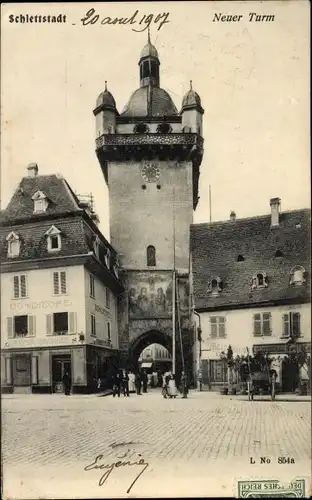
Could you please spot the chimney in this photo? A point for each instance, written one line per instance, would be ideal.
(32, 170)
(275, 204)
(233, 215)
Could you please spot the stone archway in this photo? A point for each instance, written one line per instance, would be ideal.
(144, 340)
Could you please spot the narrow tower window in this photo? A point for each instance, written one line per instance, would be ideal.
(151, 255)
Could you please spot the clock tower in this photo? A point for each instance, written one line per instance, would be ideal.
(150, 156)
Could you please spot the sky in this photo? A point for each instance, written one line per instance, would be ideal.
(252, 77)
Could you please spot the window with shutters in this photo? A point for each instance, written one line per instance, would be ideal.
(108, 330)
(13, 245)
(217, 327)
(54, 241)
(291, 324)
(59, 283)
(93, 326)
(22, 325)
(19, 286)
(60, 323)
(92, 286)
(262, 324)
(107, 298)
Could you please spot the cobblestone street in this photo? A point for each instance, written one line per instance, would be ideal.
(197, 446)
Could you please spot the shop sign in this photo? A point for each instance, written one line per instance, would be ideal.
(40, 342)
(44, 304)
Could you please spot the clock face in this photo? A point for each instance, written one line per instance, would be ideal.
(150, 172)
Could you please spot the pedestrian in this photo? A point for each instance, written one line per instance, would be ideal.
(200, 380)
(131, 382)
(99, 383)
(66, 383)
(165, 383)
(116, 384)
(172, 388)
(184, 385)
(138, 382)
(144, 380)
(125, 383)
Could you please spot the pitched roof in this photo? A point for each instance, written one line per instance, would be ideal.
(216, 246)
(21, 206)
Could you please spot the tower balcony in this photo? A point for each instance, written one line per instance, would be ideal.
(138, 147)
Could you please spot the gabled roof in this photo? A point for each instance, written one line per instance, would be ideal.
(56, 189)
(216, 246)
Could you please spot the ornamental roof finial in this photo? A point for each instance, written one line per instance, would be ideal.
(105, 85)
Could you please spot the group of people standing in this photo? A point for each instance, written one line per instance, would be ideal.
(125, 382)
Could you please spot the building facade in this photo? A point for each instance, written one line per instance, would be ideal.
(150, 156)
(252, 283)
(59, 288)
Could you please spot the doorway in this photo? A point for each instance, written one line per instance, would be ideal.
(22, 370)
(61, 364)
(290, 375)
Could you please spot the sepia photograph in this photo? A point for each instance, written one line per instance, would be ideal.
(155, 241)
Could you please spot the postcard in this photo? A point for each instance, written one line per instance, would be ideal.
(154, 237)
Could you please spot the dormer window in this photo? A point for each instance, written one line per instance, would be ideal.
(40, 202)
(259, 280)
(54, 241)
(13, 245)
(297, 276)
(279, 253)
(215, 286)
(240, 258)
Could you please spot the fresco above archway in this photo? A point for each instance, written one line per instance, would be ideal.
(150, 295)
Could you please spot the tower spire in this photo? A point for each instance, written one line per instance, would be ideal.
(105, 85)
(191, 85)
(149, 64)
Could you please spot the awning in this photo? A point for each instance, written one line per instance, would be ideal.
(146, 365)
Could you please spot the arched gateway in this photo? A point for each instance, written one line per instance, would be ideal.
(144, 340)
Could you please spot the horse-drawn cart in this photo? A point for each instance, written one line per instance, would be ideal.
(261, 381)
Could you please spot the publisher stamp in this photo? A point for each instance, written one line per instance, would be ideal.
(271, 488)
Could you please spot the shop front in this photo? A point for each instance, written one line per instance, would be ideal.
(286, 362)
(42, 370)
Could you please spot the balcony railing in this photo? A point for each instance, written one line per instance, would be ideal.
(182, 139)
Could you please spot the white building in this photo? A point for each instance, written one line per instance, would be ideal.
(59, 282)
(252, 289)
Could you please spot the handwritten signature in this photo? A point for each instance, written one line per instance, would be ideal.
(96, 464)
